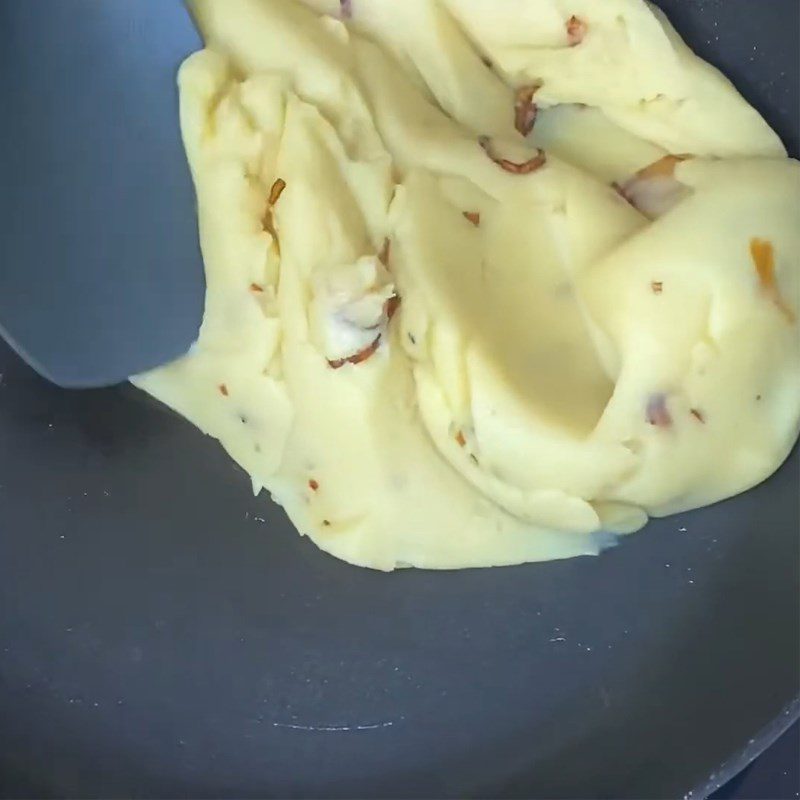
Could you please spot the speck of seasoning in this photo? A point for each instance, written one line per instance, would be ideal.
(223, 390)
(473, 458)
(460, 439)
(276, 191)
(313, 485)
(326, 522)
(657, 287)
(758, 397)
(473, 216)
(411, 338)
(257, 448)
(656, 412)
(254, 287)
(698, 415)
(487, 62)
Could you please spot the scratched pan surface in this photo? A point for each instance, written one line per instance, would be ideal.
(162, 633)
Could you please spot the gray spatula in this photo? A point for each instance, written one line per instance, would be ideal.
(100, 272)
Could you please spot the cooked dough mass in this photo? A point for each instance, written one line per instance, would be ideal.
(487, 281)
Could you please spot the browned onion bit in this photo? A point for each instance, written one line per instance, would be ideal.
(657, 412)
(473, 216)
(391, 305)
(223, 390)
(576, 30)
(514, 167)
(313, 485)
(525, 109)
(663, 168)
(356, 358)
(461, 439)
(254, 287)
(657, 287)
(276, 191)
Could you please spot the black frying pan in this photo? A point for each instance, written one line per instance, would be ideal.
(162, 633)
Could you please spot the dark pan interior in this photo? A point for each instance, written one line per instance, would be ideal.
(163, 633)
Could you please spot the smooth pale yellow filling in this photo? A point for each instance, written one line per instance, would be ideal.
(430, 360)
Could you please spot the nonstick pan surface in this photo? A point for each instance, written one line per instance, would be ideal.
(163, 633)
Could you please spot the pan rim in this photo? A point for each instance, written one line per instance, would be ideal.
(743, 758)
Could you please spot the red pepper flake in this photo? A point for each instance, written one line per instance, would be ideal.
(698, 415)
(356, 358)
(657, 412)
(223, 390)
(525, 109)
(576, 30)
(461, 439)
(276, 191)
(391, 305)
(515, 168)
(763, 254)
(254, 287)
(657, 287)
(346, 9)
(473, 216)
(385, 252)
(313, 485)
